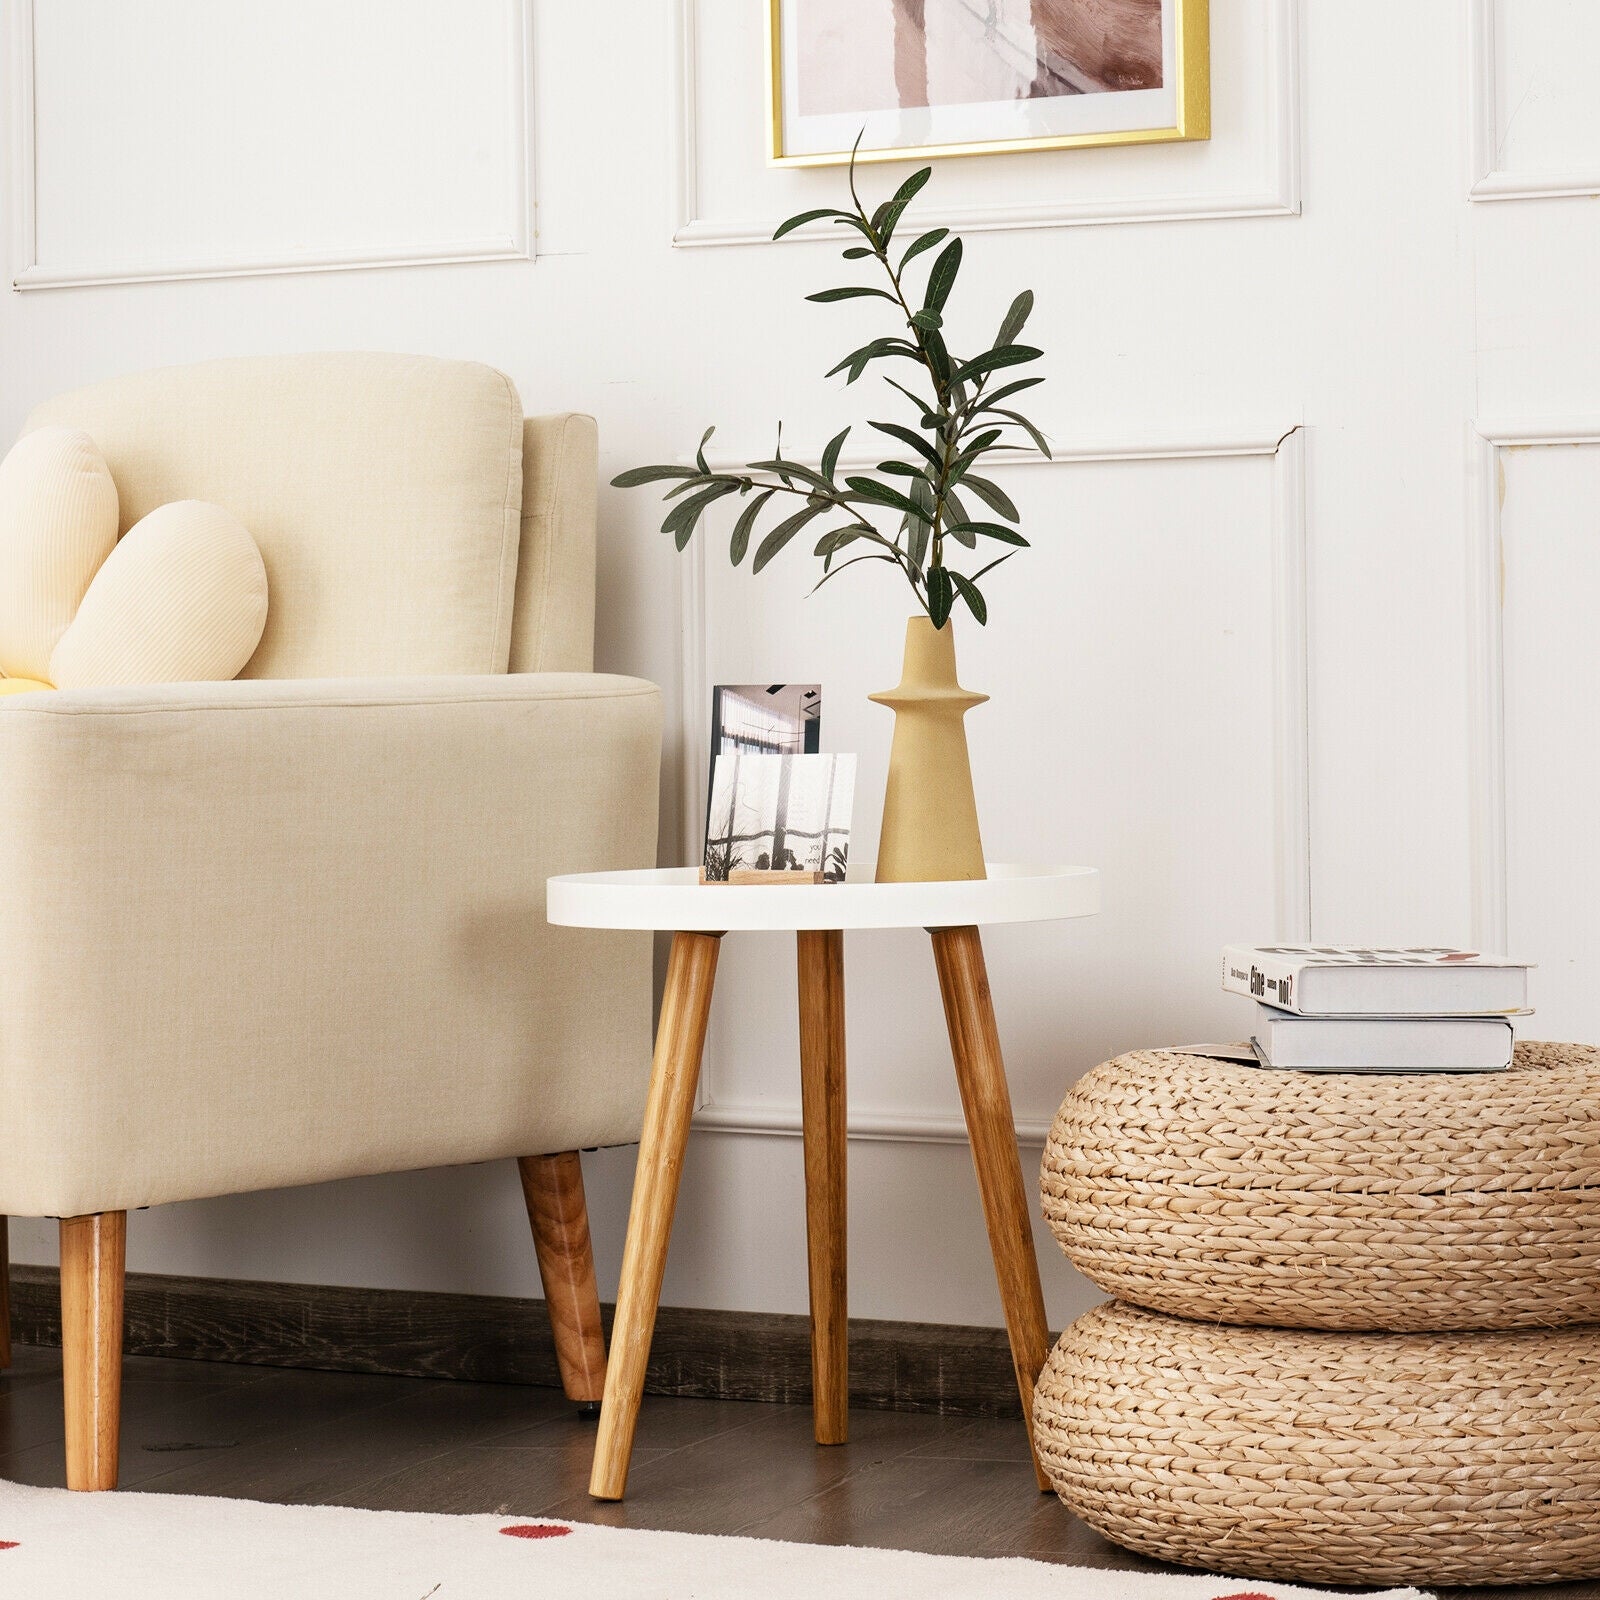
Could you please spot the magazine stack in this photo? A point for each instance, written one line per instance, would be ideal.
(1341, 1008)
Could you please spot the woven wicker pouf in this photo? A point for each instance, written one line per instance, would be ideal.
(1225, 1192)
(1330, 1457)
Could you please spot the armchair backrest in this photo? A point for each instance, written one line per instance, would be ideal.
(410, 521)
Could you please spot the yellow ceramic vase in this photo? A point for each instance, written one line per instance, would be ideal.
(930, 817)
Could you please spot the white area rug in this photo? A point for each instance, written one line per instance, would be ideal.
(60, 1546)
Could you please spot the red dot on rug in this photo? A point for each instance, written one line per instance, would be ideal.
(550, 1530)
(8, 1544)
(1248, 1594)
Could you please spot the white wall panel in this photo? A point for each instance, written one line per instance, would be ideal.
(185, 138)
(1250, 165)
(1539, 762)
(1535, 113)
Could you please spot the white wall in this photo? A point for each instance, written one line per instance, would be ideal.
(1306, 379)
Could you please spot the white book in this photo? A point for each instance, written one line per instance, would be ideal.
(1382, 1044)
(1354, 981)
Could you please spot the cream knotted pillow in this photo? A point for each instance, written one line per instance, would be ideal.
(182, 597)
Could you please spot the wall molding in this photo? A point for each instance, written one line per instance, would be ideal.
(1488, 180)
(1487, 443)
(517, 244)
(1278, 195)
(712, 1355)
(1285, 448)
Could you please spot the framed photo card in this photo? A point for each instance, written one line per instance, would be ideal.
(916, 78)
(787, 814)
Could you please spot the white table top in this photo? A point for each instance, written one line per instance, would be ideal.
(674, 898)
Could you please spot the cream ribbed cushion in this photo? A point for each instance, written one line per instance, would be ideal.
(182, 598)
(58, 523)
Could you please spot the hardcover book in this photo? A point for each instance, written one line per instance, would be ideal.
(1349, 980)
(1382, 1044)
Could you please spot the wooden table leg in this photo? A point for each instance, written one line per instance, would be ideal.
(821, 972)
(986, 1100)
(680, 1039)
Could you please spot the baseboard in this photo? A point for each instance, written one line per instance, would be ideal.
(719, 1355)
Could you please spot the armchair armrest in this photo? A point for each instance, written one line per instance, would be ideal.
(262, 933)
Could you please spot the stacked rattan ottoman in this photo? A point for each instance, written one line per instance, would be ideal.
(1356, 1333)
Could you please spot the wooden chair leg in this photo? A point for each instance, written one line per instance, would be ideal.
(93, 1251)
(553, 1189)
(5, 1293)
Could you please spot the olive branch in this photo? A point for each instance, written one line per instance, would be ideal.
(960, 421)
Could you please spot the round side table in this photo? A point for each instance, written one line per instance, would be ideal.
(698, 916)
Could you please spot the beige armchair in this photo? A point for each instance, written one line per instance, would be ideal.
(291, 928)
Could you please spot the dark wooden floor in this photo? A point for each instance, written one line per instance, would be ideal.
(942, 1484)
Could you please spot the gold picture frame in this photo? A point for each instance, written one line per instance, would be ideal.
(1190, 55)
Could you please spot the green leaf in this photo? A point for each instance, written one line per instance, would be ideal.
(785, 531)
(635, 476)
(900, 469)
(832, 542)
(962, 533)
(969, 593)
(929, 320)
(1008, 390)
(992, 530)
(700, 454)
(926, 242)
(992, 496)
(804, 217)
(942, 279)
(701, 480)
(830, 456)
(793, 469)
(999, 561)
(939, 596)
(680, 521)
(971, 453)
(882, 494)
(888, 216)
(858, 359)
(920, 528)
(1009, 355)
(907, 436)
(866, 555)
(1015, 318)
(1022, 422)
(747, 520)
(933, 343)
(933, 416)
(857, 291)
(857, 252)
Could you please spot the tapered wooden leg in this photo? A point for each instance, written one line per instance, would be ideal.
(680, 1039)
(821, 964)
(92, 1255)
(5, 1293)
(553, 1189)
(986, 1100)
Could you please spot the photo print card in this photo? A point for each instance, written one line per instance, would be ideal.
(780, 814)
(763, 719)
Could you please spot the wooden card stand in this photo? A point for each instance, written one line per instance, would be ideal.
(755, 878)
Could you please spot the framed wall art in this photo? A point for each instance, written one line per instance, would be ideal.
(917, 78)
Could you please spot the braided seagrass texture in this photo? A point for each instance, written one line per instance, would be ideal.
(1427, 1202)
(1350, 1458)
